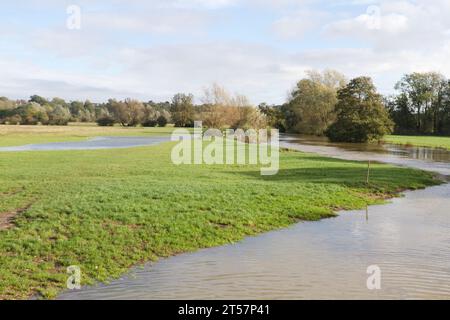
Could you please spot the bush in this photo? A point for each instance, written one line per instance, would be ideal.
(106, 121)
(162, 121)
(149, 123)
(13, 120)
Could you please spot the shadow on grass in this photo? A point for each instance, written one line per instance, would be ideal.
(385, 177)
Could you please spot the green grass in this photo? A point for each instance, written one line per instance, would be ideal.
(420, 141)
(108, 210)
(21, 135)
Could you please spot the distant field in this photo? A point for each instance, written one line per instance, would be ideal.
(420, 141)
(107, 210)
(20, 135)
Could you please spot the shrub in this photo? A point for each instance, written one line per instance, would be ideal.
(106, 121)
(149, 123)
(13, 120)
(162, 121)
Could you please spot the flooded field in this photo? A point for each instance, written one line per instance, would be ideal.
(91, 144)
(408, 239)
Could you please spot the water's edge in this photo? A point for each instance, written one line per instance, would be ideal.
(126, 282)
(152, 279)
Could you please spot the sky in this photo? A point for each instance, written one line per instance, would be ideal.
(153, 49)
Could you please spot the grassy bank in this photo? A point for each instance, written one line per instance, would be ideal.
(20, 135)
(420, 141)
(107, 210)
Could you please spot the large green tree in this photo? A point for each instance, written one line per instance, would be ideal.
(425, 92)
(360, 113)
(401, 113)
(312, 102)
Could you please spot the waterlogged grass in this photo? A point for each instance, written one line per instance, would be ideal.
(108, 210)
(420, 141)
(21, 135)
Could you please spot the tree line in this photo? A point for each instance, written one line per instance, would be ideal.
(326, 103)
(218, 109)
(423, 105)
(323, 103)
(39, 110)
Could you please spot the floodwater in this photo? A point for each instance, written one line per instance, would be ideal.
(408, 240)
(91, 144)
(429, 159)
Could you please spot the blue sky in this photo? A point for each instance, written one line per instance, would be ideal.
(259, 48)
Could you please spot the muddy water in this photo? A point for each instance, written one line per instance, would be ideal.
(408, 239)
(430, 159)
(91, 144)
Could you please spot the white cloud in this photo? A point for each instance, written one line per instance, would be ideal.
(397, 25)
(296, 25)
(160, 23)
(160, 72)
(153, 49)
(365, 24)
(211, 4)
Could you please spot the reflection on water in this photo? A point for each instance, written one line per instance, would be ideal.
(408, 239)
(421, 153)
(430, 159)
(91, 144)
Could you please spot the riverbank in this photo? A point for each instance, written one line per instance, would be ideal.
(420, 141)
(107, 210)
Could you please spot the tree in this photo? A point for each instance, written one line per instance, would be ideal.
(38, 99)
(6, 104)
(444, 123)
(275, 116)
(312, 105)
(182, 110)
(58, 115)
(330, 78)
(310, 109)
(439, 91)
(58, 102)
(242, 115)
(425, 92)
(127, 113)
(216, 101)
(77, 110)
(360, 112)
(402, 114)
(135, 112)
(312, 102)
(150, 116)
(222, 109)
